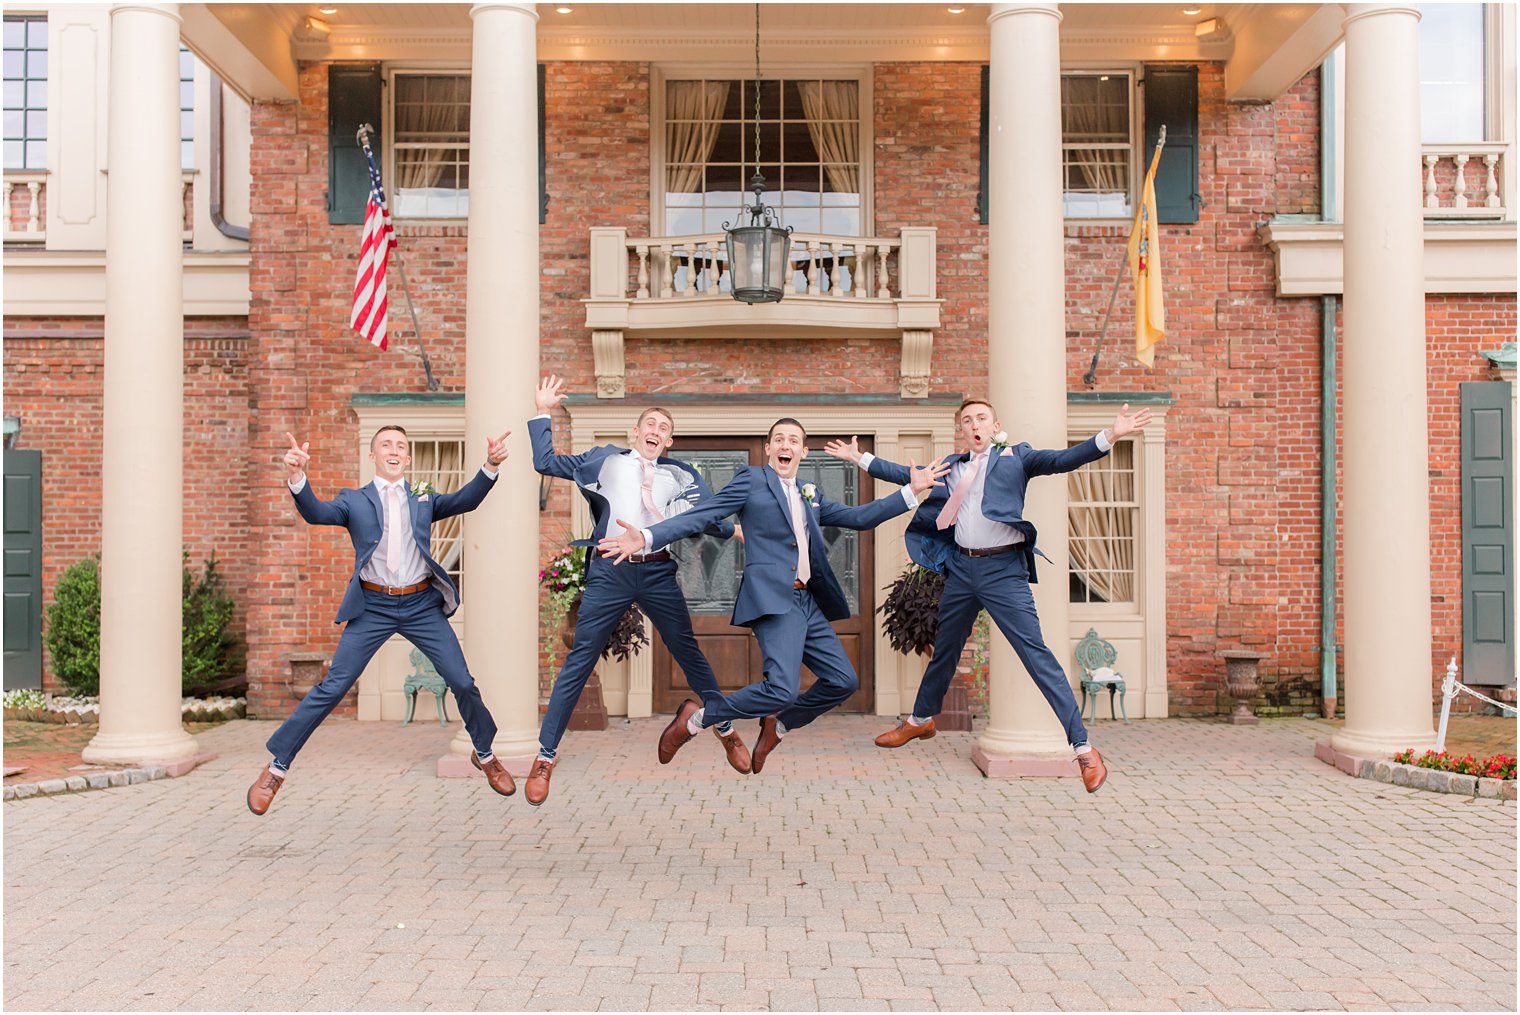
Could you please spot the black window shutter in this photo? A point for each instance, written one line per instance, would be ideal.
(1171, 98)
(353, 98)
(981, 195)
(543, 175)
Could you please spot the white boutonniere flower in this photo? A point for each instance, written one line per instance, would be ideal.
(810, 493)
(1000, 440)
(421, 490)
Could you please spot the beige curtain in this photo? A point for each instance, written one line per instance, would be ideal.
(1102, 544)
(1084, 114)
(441, 463)
(423, 167)
(838, 142)
(692, 112)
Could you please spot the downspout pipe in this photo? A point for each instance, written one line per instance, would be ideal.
(1329, 650)
(217, 155)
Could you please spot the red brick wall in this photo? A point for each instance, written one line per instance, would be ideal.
(53, 381)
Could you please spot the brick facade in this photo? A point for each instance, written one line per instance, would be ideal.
(1241, 365)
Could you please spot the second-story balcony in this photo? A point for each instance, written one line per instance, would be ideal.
(839, 287)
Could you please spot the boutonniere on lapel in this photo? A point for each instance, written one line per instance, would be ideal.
(421, 490)
(810, 494)
(1001, 444)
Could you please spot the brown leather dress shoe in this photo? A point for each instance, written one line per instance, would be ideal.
(904, 732)
(765, 743)
(1093, 769)
(261, 793)
(496, 774)
(733, 746)
(676, 734)
(536, 789)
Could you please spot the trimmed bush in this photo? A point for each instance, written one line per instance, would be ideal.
(73, 634)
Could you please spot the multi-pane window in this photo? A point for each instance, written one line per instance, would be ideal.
(430, 145)
(809, 153)
(26, 92)
(1096, 144)
(440, 461)
(1452, 83)
(1103, 513)
(186, 109)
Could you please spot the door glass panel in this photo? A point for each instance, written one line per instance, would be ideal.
(710, 567)
(838, 481)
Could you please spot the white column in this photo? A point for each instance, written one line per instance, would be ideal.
(1026, 353)
(143, 432)
(501, 362)
(1387, 505)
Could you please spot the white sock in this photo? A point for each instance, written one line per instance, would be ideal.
(694, 724)
(484, 757)
(276, 771)
(1084, 749)
(914, 720)
(546, 757)
(780, 729)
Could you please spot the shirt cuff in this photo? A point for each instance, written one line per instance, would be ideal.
(297, 487)
(490, 475)
(866, 458)
(1103, 442)
(648, 540)
(910, 496)
(542, 415)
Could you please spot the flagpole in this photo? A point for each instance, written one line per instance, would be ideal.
(363, 135)
(1091, 377)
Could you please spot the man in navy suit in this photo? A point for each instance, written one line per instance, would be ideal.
(973, 531)
(788, 593)
(396, 587)
(639, 483)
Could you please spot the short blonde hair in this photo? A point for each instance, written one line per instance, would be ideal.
(662, 411)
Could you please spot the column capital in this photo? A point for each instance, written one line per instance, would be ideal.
(1007, 10)
(527, 10)
(1355, 12)
(170, 11)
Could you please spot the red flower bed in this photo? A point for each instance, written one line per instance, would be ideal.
(1500, 766)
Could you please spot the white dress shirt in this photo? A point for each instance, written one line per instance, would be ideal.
(974, 530)
(621, 481)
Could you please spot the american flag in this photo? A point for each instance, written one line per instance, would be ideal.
(375, 244)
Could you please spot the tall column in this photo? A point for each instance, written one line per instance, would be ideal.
(1026, 353)
(1387, 505)
(141, 460)
(501, 362)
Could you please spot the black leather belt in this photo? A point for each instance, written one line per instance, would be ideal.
(649, 558)
(989, 551)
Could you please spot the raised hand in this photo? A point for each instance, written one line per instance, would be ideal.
(496, 450)
(846, 451)
(549, 393)
(296, 458)
(623, 546)
(1126, 424)
(921, 479)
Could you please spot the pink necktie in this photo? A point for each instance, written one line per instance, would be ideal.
(799, 528)
(946, 517)
(647, 490)
(393, 525)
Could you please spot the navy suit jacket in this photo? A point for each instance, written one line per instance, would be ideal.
(361, 513)
(585, 470)
(770, 545)
(1008, 474)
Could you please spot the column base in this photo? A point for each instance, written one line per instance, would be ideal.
(163, 748)
(1381, 744)
(1004, 766)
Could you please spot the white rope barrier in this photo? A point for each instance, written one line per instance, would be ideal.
(1450, 688)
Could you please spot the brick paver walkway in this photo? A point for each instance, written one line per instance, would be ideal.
(1219, 868)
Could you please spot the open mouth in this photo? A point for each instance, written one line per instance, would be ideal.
(783, 458)
(652, 443)
(394, 463)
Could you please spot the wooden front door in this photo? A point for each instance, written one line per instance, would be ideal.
(710, 570)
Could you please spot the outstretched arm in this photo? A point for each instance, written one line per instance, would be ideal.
(720, 505)
(550, 392)
(879, 468)
(314, 511)
(1044, 463)
(868, 516)
(469, 496)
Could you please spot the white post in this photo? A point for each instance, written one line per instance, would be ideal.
(1448, 692)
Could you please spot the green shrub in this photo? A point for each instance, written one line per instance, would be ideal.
(73, 633)
(211, 651)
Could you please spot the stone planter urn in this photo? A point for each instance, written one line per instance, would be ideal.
(590, 712)
(306, 671)
(1243, 682)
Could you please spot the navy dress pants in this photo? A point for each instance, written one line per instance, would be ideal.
(418, 618)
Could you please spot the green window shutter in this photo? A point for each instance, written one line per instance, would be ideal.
(543, 175)
(353, 98)
(981, 195)
(1171, 98)
(1488, 535)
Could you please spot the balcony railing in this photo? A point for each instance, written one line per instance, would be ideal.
(1462, 181)
(26, 193)
(838, 287)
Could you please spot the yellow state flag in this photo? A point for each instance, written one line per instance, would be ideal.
(1145, 266)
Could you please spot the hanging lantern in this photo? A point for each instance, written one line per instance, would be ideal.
(759, 254)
